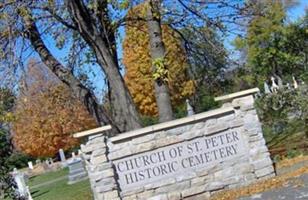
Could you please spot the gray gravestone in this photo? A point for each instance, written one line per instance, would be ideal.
(77, 171)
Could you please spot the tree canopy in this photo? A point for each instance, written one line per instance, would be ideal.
(273, 46)
(47, 114)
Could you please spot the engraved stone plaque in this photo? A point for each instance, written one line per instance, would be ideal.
(170, 161)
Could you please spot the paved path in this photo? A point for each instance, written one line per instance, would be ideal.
(295, 189)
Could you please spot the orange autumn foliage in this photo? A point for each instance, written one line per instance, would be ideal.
(137, 60)
(47, 115)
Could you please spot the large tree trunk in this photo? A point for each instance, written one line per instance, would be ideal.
(66, 76)
(99, 34)
(157, 50)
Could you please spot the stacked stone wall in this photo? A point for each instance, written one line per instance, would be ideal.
(187, 158)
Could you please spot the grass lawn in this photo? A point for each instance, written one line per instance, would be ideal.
(51, 186)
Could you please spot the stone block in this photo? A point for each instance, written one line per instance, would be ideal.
(257, 144)
(243, 168)
(211, 122)
(159, 134)
(119, 154)
(143, 139)
(199, 125)
(143, 147)
(159, 197)
(146, 194)
(185, 176)
(174, 196)
(132, 191)
(225, 173)
(94, 139)
(233, 179)
(264, 171)
(255, 151)
(111, 195)
(259, 164)
(192, 191)
(249, 100)
(255, 138)
(112, 146)
(177, 130)
(226, 119)
(102, 174)
(106, 181)
(99, 197)
(104, 166)
(237, 122)
(167, 141)
(215, 185)
(215, 168)
(217, 128)
(131, 197)
(98, 159)
(160, 183)
(104, 188)
(248, 178)
(191, 134)
(173, 187)
(99, 152)
(91, 147)
(201, 172)
(197, 181)
(203, 196)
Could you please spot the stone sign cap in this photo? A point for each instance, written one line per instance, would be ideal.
(171, 124)
(92, 131)
(237, 94)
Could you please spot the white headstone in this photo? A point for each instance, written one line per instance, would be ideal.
(274, 86)
(295, 85)
(21, 183)
(190, 110)
(266, 88)
(62, 155)
(30, 165)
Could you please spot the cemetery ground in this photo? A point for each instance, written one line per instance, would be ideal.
(53, 185)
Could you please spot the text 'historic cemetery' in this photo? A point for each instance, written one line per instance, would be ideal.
(200, 153)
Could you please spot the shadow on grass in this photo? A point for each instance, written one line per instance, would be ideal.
(37, 193)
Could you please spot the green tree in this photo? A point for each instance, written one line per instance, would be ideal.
(6, 104)
(273, 47)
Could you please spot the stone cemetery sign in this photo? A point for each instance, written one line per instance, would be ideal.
(170, 161)
(188, 157)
